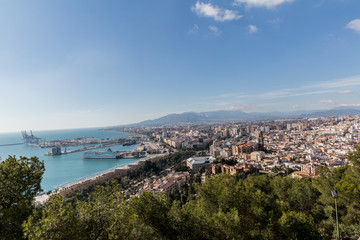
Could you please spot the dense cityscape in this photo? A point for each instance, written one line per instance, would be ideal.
(286, 147)
(180, 120)
(286, 169)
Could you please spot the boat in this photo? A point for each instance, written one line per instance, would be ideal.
(109, 154)
(129, 143)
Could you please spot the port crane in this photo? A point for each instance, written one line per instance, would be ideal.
(30, 138)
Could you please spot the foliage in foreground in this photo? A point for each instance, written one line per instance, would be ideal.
(19, 183)
(225, 207)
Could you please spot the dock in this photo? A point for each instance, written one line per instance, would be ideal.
(85, 141)
(10, 144)
(82, 149)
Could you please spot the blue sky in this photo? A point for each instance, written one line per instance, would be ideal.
(70, 64)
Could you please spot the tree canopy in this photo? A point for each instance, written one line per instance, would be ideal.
(19, 183)
(222, 207)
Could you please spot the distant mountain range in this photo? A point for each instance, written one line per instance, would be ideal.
(222, 116)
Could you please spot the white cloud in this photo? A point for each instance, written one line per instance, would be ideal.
(194, 29)
(294, 96)
(215, 12)
(224, 95)
(261, 3)
(348, 91)
(350, 105)
(314, 96)
(354, 25)
(274, 21)
(242, 107)
(314, 89)
(252, 29)
(214, 29)
(344, 82)
(296, 92)
(327, 101)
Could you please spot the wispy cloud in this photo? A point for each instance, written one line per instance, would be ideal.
(214, 29)
(242, 107)
(319, 4)
(325, 89)
(274, 21)
(212, 11)
(296, 92)
(252, 29)
(349, 105)
(224, 95)
(344, 82)
(316, 89)
(311, 89)
(194, 29)
(261, 3)
(277, 93)
(354, 25)
(327, 102)
(347, 91)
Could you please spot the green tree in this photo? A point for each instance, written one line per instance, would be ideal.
(296, 194)
(354, 157)
(58, 220)
(152, 211)
(100, 211)
(19, 183)
(298, 225)
(102, 215)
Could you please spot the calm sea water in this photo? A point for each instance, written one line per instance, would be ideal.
(67, 167)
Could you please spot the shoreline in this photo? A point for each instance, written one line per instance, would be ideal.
(92, 179)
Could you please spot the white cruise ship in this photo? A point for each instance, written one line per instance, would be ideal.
(101, 154)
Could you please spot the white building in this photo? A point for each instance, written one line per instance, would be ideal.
(196, 163)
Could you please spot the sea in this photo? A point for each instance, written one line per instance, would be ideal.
(66, 167)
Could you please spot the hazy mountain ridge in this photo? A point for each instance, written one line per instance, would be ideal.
(237, 115)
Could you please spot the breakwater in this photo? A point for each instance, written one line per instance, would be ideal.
(10, 144)
(83, 149)
(83, 141)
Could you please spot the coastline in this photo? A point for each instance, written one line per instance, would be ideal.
(63, 168)
(96, 178)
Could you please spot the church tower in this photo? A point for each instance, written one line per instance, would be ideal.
(261, 141)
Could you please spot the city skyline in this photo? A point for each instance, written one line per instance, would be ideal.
(78, 64)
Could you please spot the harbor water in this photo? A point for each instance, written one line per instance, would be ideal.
(67, 167)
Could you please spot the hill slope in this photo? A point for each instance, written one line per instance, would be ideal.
(236, 116)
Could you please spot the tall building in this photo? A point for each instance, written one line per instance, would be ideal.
(261, 142)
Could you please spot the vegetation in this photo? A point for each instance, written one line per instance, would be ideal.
(223, 207)
(230, 162)
(154, 167)
(19, 183)
(182, 168)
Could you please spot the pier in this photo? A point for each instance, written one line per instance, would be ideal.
(82, 149)
(10, 144)
(84, 141)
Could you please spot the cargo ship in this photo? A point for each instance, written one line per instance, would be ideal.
(109, 154)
